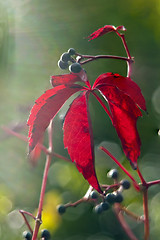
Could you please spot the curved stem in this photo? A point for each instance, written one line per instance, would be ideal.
(91, 58)
(146, 214)
(103, 105)
(144, 183)
(149, 184)
(123, 223)
(121, 166)
(43, 188)
(129, 63)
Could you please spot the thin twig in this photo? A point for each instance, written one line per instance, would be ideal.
(43, 188)
(25, 219)
(121, 166)
(146, 214)
(123, 223)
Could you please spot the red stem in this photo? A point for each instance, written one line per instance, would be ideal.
(123, 223)
(103, 105)
(146, 214)
(145, 205)
(121, 166)
(122, 36)
(149, 184)
(141, 178)
(25, 219)
(92, 58)
(44, 182)
(129, 63)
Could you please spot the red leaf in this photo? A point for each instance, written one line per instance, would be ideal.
(45, 108)
(124, 84)
(103, 30)
(79, 140)
(125, 114)
(66, 79)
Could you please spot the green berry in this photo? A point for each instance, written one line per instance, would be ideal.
(75, 68)
(94, 195)
(61, 209)
(98, 209)
(105, 206)
(71, 51)
(27, 235)
(65, 57)
(45, 234)
(113, 173)
(118, 197)
(125, 184)
(110, 198)
(62, 65)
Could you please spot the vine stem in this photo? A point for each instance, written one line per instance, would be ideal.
(121, 166)
(43, 148)
(123, 223)
(146, 214)
(43, 187)
(145, 205)
(103, 105)
(91, 58)
(129, 62)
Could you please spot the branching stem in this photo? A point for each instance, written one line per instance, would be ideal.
(121, 166)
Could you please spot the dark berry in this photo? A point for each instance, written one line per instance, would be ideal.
(113, 173)
(61, 209)
(125, 183)
(110, 198)
(65, 57)
(62, 65)
(45, 234)
(105, 206)
(98, 209)
(118, 197)
(75, 68)
(94, 195)
(71, 51)
(27, 235)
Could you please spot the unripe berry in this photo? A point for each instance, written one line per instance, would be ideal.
(110, 198)
(71, 51)
(98, 209)
(75, 68)
(27, 235)
(62, 65)
(61, 209)
(65, 57)
(125, 184)
(113, 173)
(118, 197)
(94, 195)
(45, 234)
(104, 205)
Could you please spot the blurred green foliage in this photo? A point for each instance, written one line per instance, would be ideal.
(33, 35)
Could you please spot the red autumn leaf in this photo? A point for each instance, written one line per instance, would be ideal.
(78, 139)
(103, 30)
(45, 108)
(124, 84)
(66, 79)
(125, 114)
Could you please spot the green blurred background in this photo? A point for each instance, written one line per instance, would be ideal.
(33, 35)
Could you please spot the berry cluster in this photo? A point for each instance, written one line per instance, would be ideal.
(105, 201)
(45, 235)
(67, 57)
(112, 197)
